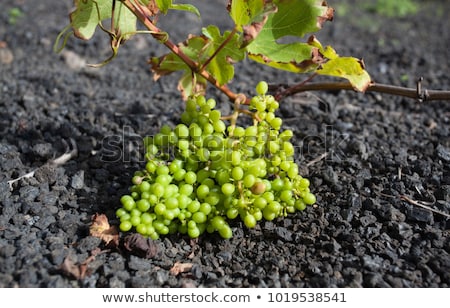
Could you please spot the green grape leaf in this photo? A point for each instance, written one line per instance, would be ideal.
(125, 22)
(221, 66)
(186, 7)
(292, 18)
(166, 5)
(88, 14)
(250, 16)
(349, 68)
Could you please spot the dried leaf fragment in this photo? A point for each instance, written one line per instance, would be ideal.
(100, 228)
(179, 268)
(140, 246)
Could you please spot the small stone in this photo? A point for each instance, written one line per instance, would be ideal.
(6, 55)
(78, 180)
(443, 153)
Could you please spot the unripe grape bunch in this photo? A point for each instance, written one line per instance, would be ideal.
(209, 170)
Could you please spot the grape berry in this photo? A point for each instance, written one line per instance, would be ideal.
(202, 174)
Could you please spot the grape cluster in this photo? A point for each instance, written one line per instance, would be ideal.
(204, 173)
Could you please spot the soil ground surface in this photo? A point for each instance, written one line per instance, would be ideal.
(372, 159)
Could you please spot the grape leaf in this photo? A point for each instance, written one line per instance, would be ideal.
(86, 16)
(250, 16)
(221, 66)
(166, 5)
(125, 22)
(89, 13)
(292, 18)
(349, 68)
(245, 12)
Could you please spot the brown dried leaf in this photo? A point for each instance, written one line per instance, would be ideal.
(100, 228)
(70, 268)
(140, 246)
(179, 268)
(327, 16)
(252, 30)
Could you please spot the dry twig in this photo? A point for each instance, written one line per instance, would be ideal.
(59, 161)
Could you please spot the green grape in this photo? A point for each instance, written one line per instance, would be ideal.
(160, 209)
(182, 131)
(237, 173)
(286, 195)
(143, 205)
(262, 87)
(250, 221)
(277, 184)
(257, 213)
(199, 217)
(227, 189)
(222, 177)
(120, 212)
(208, 129)
(300, 205)
(225, 232)
(269, 215)
(194, 206)
(141, 229)
(303, 183)
(232, 213)
(190, 177)
(260, 105)
(205, 208)
(309, 198)
(162, 170)
(128, 202)
(195, 131)
(186, 189)
(211, 103)
(203, 154)
(239, 131)
(150, 167)
(146, 218)
(219, 126)
(202, 191)
(179, 175)
(171, 203)
(276, 123)
(125, 226)
(217, 222)
(193, 232)
(249, 180)
(235, 158)
(260, 203)
(215, 115)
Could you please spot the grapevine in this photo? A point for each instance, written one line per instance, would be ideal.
(212, 169)
(207, 171)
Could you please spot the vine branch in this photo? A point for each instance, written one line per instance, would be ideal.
(418, 93)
